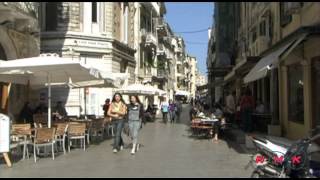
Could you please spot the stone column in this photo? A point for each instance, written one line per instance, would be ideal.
(307, 91)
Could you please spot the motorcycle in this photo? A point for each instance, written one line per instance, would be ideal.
(283, 160)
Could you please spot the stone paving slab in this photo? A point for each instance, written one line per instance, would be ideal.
(167, 151)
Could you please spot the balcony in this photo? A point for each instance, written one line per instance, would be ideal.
(162, 73)
(149, 38)
(161, 27)
(161, 50)
(178, 50)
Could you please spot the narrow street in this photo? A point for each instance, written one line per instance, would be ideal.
(167, 151)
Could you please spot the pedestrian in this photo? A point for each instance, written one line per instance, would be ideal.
(165, 110)
(26, 114)
(135, 115)
(217, 125)
(106, 107)
(117, 111)
(41, 109)
(178, 109)
(60, 110)
(230, 107)
(247, 107)
(193, 113)
(172, 111)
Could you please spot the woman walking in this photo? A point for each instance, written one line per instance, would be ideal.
(172, 111)
(117, 111)
(246, 106)
(135, 115)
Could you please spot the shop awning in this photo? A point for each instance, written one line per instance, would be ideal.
(270, 61)
(241, 68)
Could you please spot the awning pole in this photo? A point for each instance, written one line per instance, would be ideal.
(49, 101)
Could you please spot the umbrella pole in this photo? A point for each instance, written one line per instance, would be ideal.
(49, 101)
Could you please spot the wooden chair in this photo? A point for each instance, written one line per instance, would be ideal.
(61, 134)
(23, 133)
(77, 131)
(40, 120)
(108, 126)
(44, 137)
(96, 127)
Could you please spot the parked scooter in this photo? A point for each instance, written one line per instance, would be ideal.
(280, 160)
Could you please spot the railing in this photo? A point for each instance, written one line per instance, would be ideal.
(161, 49)
(162, 73)
(161, 22)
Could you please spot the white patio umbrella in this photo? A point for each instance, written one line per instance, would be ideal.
(182, 93)
(108, 80)
(46, 70)
(156, 90)
(137, 89)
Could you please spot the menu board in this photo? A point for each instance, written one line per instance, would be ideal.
(4, 133)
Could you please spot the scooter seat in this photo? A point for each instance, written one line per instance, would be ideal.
(262, 139)
(284, 143)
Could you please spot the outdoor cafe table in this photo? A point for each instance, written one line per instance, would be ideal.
(203, 126)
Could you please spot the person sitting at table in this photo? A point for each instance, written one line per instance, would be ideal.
(218, 110)
(260, 107)
(193, 112)
(200, 112)
(60, 110)
(26, 114)
(42, 108)
(216, 126)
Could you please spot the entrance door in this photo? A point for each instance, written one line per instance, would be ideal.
(315, 91)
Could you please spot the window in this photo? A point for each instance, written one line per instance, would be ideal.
(94, 12)
(285, 18)
(254, 34)
(296, 98)
(51, 16)
(123, 66)
(141, 57)
(262, 28)
(315, 91)
(125, 22)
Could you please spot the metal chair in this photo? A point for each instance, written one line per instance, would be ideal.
(77, 131)
(96, 127)
(23, 133)
(61, 134)
(44, 137)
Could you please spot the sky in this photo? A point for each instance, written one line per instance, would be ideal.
(189, 17)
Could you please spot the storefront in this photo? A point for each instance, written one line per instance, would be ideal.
(299, 87)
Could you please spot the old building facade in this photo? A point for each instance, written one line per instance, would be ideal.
(276, 58)
(19, 39)
(90, 32)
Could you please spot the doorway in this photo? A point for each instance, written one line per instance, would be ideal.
(315, 91)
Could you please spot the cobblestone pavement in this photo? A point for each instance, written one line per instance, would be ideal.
(167, 151)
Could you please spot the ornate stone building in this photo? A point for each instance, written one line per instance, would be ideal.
(19, 39)
(91, 32)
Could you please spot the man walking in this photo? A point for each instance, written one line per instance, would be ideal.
(165, 110)
(231, 106)
(178, 109)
